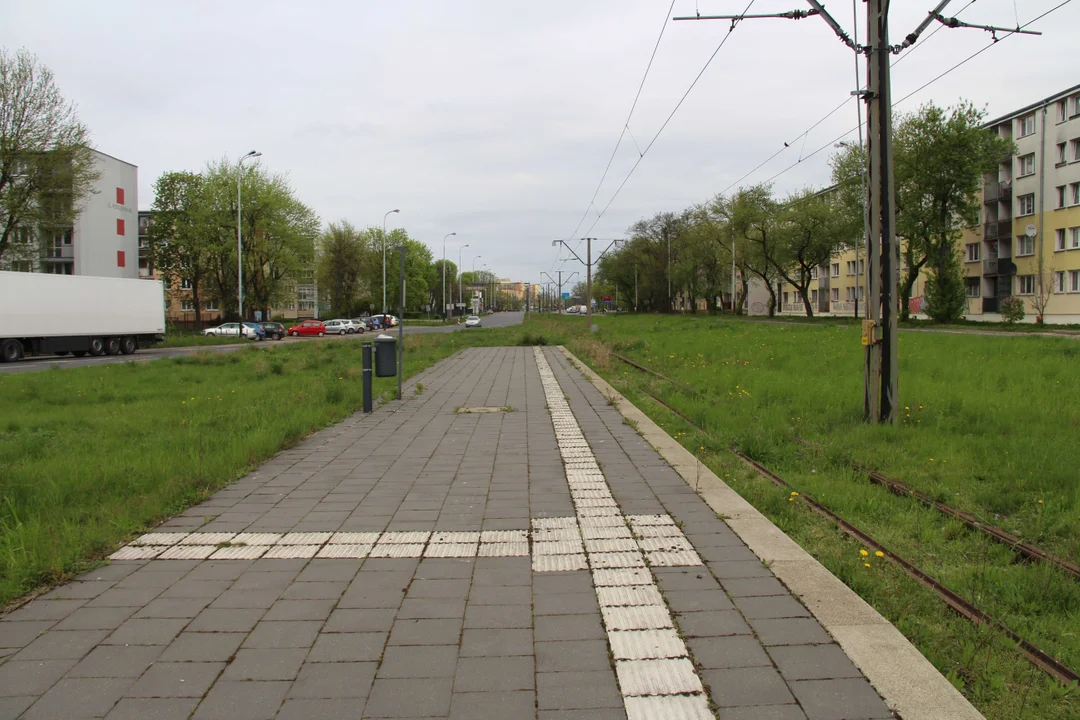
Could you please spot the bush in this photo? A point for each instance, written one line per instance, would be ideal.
(1012, 310)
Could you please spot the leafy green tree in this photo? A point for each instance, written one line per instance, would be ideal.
(179, 236)
(46, 162)
(946, 296)
(342, 256)
(441, 288)
(753, 215)
(810, 230)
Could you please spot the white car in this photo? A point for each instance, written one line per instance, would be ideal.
(472, 321)
(351, 326)
(233, 330)
(337, 327)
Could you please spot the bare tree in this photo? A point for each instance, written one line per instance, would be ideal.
(46, 162)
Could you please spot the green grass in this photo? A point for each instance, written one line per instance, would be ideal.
(990, 425)
(91, 456)
(190, 340)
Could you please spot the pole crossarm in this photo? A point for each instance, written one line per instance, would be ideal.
(789, 15)
(820, 10)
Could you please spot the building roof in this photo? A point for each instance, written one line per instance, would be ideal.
(1034, 106)
(113, 157)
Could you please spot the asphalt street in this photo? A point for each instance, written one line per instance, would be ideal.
(46, 362)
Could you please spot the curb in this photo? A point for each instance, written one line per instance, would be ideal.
(910, 685)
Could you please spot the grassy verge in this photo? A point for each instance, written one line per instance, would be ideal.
(188, 340)
(916, 324)
(989, 426)
(90, 456)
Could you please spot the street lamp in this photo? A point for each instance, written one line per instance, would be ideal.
(866, 236)
(460, 301)
(239, 243)
(395, 210)
(444, 272)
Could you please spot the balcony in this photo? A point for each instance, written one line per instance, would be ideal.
(997, 229)
(991, 193)
(1006, 266)
(1005, 192)
(990, 267)
(990, 305)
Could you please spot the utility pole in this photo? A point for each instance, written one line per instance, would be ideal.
(635, 287)
(588, 283)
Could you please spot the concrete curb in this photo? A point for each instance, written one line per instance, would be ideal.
(910, 685)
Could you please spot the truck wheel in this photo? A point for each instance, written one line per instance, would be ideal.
(78, 353)
(97, 347)
(128, 345)
(10, 350)
(112, 346)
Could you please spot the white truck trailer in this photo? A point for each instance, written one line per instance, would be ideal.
(78, 314)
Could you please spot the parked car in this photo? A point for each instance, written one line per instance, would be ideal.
(274, 330)
(472, 321)
(234, 330)
(260, 334)
(338, 327)
(386, 321)
(308, 327)
(362, 324)
(354, 327)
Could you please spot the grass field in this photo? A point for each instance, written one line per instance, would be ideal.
(193, 340)
(989, 425)
(90, 456)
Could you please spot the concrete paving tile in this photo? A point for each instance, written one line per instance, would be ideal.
(62, 644)
(498, 616)
(242, 701)
(444, 568)
(424, 661)
(754, 587)
(31, 677)
(432, 608)
(46, 610)
(187, 679)
(564, 582)
(360, 620)
(172, 608)
(226, 620)
(494, 674)
(673, 579)
(777, 606)
(321, 709)
(78, 697)
(117, 661)
(155, 708)
(489, 642)
(813, 662)
(261, 599)
(265, 664)
(394, 698)
(299, 610)
(733, 651)
(612, 713)
(565, 604)
(500, 595)
(348, 647)
(839, 699)
(492, 705)
(790, 631)
(21, 634)
(696, 601)
(293, 634)
(572, 656)
(765, 712)
(577, 691)
(443, 631)
(125, 597)
(334, 680)
(79, 590)
(12, 707)
(203, 647)
(737, 687)
(711, 623)
(360, 597)
(569, 627)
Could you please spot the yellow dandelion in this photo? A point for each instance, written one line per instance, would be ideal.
(863, 553)
(880, 554)
(866, 564)
(794, 494)
(1040, 502)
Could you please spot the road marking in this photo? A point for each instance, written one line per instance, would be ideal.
(656, 677)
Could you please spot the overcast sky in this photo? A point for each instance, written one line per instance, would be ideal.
(495, 119)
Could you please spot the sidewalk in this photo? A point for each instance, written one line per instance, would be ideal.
(497, 546)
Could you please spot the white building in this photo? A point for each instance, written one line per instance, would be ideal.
(104, 240)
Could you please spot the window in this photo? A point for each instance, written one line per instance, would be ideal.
(186, 305)
(1059, 197)
(862, 295)
(211, 305)
(1059, 239)
(121, 258)
(1059, 282)
(1062, 157)
(1027, 125)
(1025, 204)
(849, 294)
(1075, 149)
(1074, 238)
(1025, 284)
(1062, 111)
(971, 252)
(836, 271)
(1074, 193)
(1025, 245)
(836, 291)
(120, 226)
(1074, 281)
(119, 196)
(785, 298)
(1076, 105)
(813, 273)
(813, 296)
(973, 286)
(185, 284)
(22, 266)
(1027, 164)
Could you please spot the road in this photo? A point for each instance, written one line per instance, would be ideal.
(46, 362)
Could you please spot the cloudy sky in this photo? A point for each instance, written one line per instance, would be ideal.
(495, 119)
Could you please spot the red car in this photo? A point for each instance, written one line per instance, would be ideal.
(308, 327)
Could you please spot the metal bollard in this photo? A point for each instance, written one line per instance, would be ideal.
(366, 349)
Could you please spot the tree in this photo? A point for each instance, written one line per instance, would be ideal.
(46, 162)
(342, 256)
(443, 286)
(810, 227)
(946, 294)
(179, 236)
(753, 215)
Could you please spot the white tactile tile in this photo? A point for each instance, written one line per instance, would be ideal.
(256, 538)
(240, 552)
(558, 547)
(668, 544)
(554, 523)
(289, 552)
(406, 537)
(668, 707)
(602, 511)
(603, 521)
(504, 536)
(646, 520)
(354, 538)
(304, 538)
(138, 552)
(682, 558)
(455, 537)
(623, 576)
(646, 644)
(508, 549)
(159, 538)
(640, 617)
(658, 531)
(210, 538)
(590, 494)
(629, 595)
(397, 550)
(600, 545)
(558, 563)
(354, 551)
(188, 552)
(657, 677)
(449, 550)
(616, 560)
(607, 533)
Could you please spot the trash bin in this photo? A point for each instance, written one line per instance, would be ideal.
(385, 356)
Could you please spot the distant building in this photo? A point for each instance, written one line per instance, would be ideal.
(103, 241)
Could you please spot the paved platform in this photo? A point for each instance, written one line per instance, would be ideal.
(498, 546)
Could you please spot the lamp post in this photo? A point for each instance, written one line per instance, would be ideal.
(460, 301)
(239, 243)
(444, 273)
(474, 268)
(395, 210)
